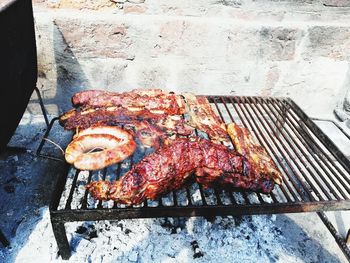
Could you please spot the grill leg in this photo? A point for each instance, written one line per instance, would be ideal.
(42, 106)
(3, 240)
(61, 238)
(340, 240)
(348, 238)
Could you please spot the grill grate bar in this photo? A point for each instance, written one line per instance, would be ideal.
(291, 145)
(174, 198)
(202, 195)
(233, 120)
(280, 164)
(223, 119)
(289, 155)
(273, 197)
(306, 144)
(324, 156)
(70, 196)
(104, 173)
(86, 193)
(323, 140)
(189, 196)
(276, 144)
(231, 197)
(313, 145)
(245, 197)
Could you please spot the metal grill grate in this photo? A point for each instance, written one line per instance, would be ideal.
(316, 175)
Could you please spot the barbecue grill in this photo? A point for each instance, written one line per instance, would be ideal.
(316, 175)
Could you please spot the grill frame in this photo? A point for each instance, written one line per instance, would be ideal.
(302, 178)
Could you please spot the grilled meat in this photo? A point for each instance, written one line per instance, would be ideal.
(261, 163)
(204, 118)
(150, 128)
(83, 119)
(154, 100)
(115, 144)
(169, 167)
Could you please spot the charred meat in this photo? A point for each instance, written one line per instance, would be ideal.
(171, 165)
(204, 118)
(261, 163)
(154, 100)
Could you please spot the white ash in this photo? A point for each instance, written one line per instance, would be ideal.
(225, 239)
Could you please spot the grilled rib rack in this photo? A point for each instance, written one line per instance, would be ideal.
(316, 175)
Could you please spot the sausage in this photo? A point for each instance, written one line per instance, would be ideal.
(115, 143)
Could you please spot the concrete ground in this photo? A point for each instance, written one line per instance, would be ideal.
(27, 181)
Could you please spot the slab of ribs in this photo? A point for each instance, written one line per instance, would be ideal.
(180, 155)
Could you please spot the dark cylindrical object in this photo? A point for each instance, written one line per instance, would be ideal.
(18, 64)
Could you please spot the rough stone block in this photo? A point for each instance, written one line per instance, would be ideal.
(96, 38)
(135, 9)
(78, 4)
(328, 41)
(336, 3)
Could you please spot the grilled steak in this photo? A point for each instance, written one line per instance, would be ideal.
(204, 118)
(169, 167)
(246, 144)
(154, 100)
(149, 127)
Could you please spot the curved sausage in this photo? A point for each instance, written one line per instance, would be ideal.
(115, 143)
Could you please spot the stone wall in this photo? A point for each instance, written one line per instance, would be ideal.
(299, 49)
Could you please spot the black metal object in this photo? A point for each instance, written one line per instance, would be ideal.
(18, 63)
(3, 240)
(316, 174)
(343, 243)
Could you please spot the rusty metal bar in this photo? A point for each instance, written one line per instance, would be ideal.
(273, 138)
(326, 142)
(84, 201)
(262, 140)
(292, 146)
(70, 196)
(340, 241)
(306, 144)
(286, 195)
(321, 153)
(202, 195)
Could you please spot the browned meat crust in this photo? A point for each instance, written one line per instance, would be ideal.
(154, 100)
(204, 118)
(246, 144)
(149, 127)
(115, 144)
(168, 168)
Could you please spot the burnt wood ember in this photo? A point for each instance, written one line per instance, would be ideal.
(154, 100)
(169, 167)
